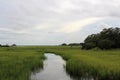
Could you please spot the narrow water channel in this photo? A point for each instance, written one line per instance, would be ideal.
(53, 69)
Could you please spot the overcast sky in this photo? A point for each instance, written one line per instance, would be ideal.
(51, 22)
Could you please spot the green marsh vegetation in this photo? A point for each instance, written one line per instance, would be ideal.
(16, 63)
(99, 64)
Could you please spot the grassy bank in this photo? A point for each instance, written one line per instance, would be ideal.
(102, 65)
(16, 63)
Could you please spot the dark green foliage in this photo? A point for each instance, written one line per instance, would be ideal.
(5, 45)
(13, 45)
(92, 38)
(64, 44)
(74, 44)
(106, 39)
(89, 45)
(105, 44)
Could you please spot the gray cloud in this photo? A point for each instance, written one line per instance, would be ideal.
(34, 18)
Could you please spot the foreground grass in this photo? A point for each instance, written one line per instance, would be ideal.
(101, 65)
(16, 63)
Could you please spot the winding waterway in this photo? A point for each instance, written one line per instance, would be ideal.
(53, 69)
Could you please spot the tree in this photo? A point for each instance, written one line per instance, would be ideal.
(64, 44)
(74, 44)
(92, 38)
(105, 44)
(106, 39)
(13, 45)
(89, 45)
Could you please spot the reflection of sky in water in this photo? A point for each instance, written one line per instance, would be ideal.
(53, 70)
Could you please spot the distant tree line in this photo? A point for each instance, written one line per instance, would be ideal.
(71, 44)
(13, 45)
(108, 38)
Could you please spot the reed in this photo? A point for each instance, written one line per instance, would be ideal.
(99, 64)
(16, 63)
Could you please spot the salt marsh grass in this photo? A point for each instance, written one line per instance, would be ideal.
(16, 63)
(99, 64)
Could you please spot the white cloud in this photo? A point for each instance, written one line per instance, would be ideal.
(77, 25)
(104, 25)
(41, 27)
(15, 31)
(41, 17)
(63, 6)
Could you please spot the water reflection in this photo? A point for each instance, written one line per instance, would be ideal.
(53, 70)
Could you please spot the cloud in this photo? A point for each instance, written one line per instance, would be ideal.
(104, 25)
(41, 27)
(41, 17)
(62, 6)
(77, 25)
(15, 31)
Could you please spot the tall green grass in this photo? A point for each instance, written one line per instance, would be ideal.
(101, 65)
(16, 63)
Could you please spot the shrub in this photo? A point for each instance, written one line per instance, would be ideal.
(105, 44)
(106, 39)
(89, 45)
(64, 44)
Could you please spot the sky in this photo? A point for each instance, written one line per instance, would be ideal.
(52, 22)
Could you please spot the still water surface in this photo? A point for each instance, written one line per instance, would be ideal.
(53, 69)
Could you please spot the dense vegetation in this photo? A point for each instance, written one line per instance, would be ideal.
(71, 44)
(106, 39)
(16, 63)
(101, 65)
